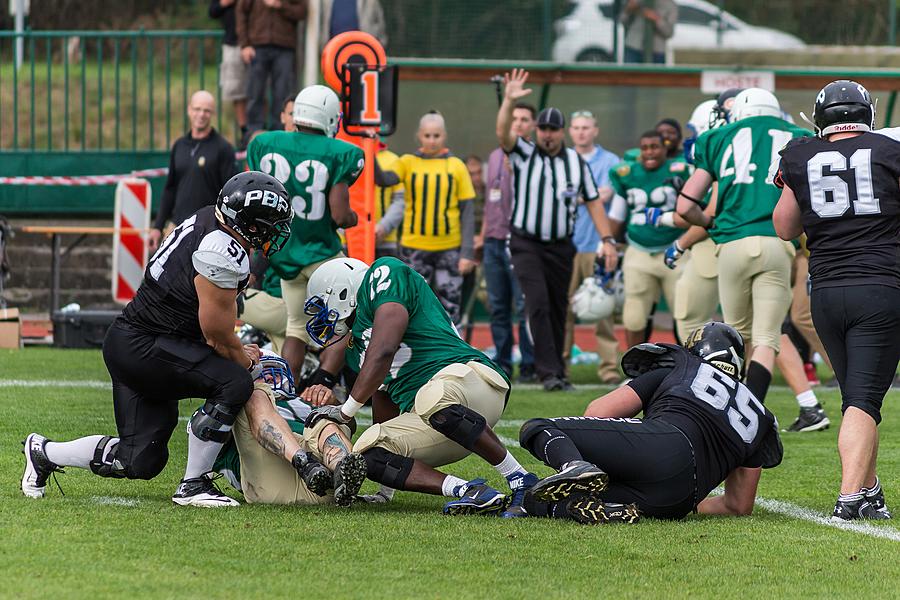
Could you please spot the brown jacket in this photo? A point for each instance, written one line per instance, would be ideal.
(259, 25)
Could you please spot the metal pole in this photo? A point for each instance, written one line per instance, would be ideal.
(54, 274)
(547, 30)
(311, 47)
(20, 29)
(892, 23)
(719, 26)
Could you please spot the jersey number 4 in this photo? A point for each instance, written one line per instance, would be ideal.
(725, 394)
(740, 151)
(311, 206)
(822, 185)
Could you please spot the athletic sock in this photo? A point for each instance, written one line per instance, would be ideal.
(875, 489)
(807, 399)
(555, 448)
(201, 455)
(758, 380)
(77, 453)
(453, 487)
(509, 466)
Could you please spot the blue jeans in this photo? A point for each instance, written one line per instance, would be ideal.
(503, 292)
(275, 65)
(637, 56)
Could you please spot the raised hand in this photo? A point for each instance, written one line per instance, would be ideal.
(514, 83)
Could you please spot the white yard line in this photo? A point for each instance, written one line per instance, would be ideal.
(804, 514)
(56, 383)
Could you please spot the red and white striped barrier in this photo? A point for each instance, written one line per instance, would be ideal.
(129, 249)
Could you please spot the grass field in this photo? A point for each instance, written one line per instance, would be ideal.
(121, 538)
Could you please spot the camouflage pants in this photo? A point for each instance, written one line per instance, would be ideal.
(441, 271)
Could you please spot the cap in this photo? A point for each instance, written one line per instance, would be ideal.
(551, 117)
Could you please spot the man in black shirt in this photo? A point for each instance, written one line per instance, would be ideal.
(199, 165)
(701, 427)
(176, 340)
(841, 189)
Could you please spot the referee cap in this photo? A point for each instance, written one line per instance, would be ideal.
(551, 117)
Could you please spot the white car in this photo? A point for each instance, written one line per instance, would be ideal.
(586, 34)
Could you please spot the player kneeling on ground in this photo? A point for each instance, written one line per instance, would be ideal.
(273, 459)
(701, 426)
(398, 335)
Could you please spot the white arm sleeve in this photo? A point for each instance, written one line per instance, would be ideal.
(221, 260)
(618, 208)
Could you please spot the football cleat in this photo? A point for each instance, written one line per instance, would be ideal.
(576, 476)
(593, 511)
(855, 506)
(875, 496)
(201, 491)
(348, 478)
(314, 474)
(810, 419)
(520, 486)
(478, 499)
(38, 467)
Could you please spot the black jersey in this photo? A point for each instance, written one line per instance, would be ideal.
(849, 198)
(166, 302)
(724, 422)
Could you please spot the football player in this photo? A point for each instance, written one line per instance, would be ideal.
(754, 266)
(448, 394)
(840, 188)
(642, 187)
(176, 340)
(701, 426)
(317, 171)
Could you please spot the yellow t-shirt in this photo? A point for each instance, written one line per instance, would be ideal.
(387, 160)
(434, 189)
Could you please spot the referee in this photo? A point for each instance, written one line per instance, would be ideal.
(548, 179)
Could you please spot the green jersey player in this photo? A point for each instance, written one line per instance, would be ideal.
(317, 171)
(754, 265)
(400, 339)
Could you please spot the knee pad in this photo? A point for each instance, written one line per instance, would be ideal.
(105, 463)
(387, 468)
(212, 422)
(530, 429)
(459, 423)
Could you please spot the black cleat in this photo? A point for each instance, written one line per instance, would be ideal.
(593, 511)
(577, 476)
(857, 506)
(810, 419)
(314, 474)
(348, 478)
(38, 467)
(201, 491)
(875, 496)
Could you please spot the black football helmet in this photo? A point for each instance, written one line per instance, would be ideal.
(255, 205)
(720, 345)
(721, 112)
(843, 105)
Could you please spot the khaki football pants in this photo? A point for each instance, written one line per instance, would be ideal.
(294, 293)
(755, 287)
(270, 479)
(800, 311)
(607, 344)
(646, 275)
(267, 313)
(473, 385)
(697, 290)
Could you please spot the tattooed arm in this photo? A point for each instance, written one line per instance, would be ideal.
(269, 428)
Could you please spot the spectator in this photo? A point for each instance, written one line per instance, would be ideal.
(200, 163)
(338, 16)
(389, 207)
(287, 114)
(232, 70)
(583, 131)
(548, 178)
(475, 167)
(267, 34)
(648, 24)
(503, 289)
(439, 219)
(670, 130)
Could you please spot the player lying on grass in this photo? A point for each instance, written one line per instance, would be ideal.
(701, 426)
(274, 459)
(398, 335)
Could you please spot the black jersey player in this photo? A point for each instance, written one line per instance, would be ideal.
(841, 189)
(701, 426)
(176, 340)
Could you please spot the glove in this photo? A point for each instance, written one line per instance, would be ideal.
(330, 412)
(653, 215)
(673, 253)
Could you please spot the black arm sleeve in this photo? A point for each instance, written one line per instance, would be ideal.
(646, 385)
(259, 264)
(385, 178)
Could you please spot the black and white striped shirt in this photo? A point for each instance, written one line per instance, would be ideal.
(546, 190)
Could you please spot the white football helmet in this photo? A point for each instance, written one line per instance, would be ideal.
(755, 102)
(592, 301)
(700, 118)
(318, 107)
(331, 297)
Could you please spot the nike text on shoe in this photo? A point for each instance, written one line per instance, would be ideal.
(37, 466)
(593, 511)
(201, 491)
(348, 478)
(810, 419)
(479, 499)
(519, 486)
(576, 476)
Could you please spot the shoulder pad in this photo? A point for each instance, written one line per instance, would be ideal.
(793, 143)
(644, 358)
(677, 167)
(623, 170)
(217, 259)
(890, 132)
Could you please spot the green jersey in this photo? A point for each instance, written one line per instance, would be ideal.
(738, 156)
(637, 189)
(308, 165)
(430, 342)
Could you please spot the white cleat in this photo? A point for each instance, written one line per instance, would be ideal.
(38, 467)
(201, 491)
